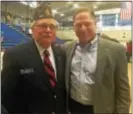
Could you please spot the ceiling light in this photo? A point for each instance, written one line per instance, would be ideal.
(54, 11)
(61, 14)
(33, 4)
(23, 2)
(75, 6)
(95, 7)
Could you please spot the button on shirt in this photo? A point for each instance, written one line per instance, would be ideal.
(55, 96)
(83, 67)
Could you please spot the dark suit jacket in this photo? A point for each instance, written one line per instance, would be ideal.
(3, 110)
(25, 84)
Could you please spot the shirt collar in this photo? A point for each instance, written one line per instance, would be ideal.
(92, 43)
(41, 49)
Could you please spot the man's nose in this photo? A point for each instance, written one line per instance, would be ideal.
(48, 29)
(83, 27)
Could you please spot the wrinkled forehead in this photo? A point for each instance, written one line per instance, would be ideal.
(46, 21)
(83, 16)
(84, 22)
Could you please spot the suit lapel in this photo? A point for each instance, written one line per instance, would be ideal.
(69, 55)
(102, 55)
(37, 63)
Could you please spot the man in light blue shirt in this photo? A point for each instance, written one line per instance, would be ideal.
(96, 70)
(82, 72)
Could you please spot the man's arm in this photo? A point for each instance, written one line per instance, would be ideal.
(9, 80)
(122, 89)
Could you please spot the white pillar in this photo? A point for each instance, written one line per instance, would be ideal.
(99, 24)
(116, 20)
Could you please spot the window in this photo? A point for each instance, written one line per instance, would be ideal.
(108, 19)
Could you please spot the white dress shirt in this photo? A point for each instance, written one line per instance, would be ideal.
(51, 55)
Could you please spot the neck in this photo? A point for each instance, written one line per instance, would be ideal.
(44, 46)
(86, 42)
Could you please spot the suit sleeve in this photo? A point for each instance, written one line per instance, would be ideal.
(9, 81)
(122, 93)
(66, 45)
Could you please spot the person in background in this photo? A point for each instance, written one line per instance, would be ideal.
(129, 50)
(32, 78)
(96, 70)
(29, 34)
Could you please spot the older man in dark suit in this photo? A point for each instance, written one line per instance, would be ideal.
(31, 79)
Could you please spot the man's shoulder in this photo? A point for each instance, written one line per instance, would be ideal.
(58, 48)
(113, 45)
(70, 44)
(19, 48)
(103, 36)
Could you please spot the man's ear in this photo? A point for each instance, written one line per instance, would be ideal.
(74, 25)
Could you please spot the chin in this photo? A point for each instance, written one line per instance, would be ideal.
(85, 41)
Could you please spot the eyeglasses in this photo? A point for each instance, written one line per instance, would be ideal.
(45, 26)
(87, 24)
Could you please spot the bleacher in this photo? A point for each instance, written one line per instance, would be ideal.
(12, 35)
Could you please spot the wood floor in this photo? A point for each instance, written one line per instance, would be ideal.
(130, 78)
(130, 72)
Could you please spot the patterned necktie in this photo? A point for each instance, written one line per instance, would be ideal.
(49, 68)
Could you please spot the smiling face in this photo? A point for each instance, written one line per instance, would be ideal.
(44, 31)
(84, 26)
